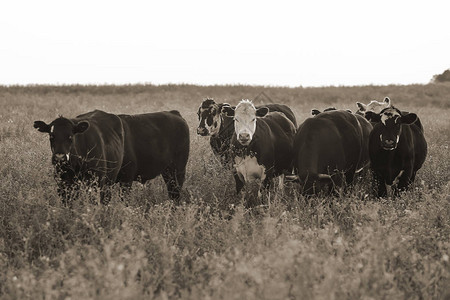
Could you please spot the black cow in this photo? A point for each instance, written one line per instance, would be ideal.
(329, 149)
(88, 147)
(221, 128)
(112, 148)
(155, 143)
(397, 149)
(261, 143)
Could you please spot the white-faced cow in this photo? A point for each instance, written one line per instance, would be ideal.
(329, 149)
(111, 148)
(220, 128)
(397, 149)
(373, 106)
(261, 143)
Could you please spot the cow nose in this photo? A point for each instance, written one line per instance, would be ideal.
(201, 131)
(244, 137)
(60, 156)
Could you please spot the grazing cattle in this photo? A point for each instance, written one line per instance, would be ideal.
(328, 147)
(397, 149)
(118, 148)
(220, 128)
(261, 143)
(155, 143)
(86, 148)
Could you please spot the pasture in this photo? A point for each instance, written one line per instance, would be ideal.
(349, 247)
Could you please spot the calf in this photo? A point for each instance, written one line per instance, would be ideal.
(220, 128)
(397, 149)
(261, 143)
(328, 148)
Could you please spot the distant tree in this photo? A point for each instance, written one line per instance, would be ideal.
(442, 77)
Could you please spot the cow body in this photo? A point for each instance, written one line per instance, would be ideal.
(397, 149)
(329, 149)
(111, 148)
(221, 128)
(261, 144)
(156, 143)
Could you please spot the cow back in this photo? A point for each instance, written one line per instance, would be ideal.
(153, 141)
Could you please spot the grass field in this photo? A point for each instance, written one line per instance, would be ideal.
(348, 247)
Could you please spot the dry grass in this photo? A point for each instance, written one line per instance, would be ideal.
(352, 246)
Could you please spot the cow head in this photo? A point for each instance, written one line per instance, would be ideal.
(210, 117)
(245, 115)
(373, 106)
(61, 132)
(390, 120)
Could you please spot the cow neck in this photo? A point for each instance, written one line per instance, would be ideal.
(226, 131)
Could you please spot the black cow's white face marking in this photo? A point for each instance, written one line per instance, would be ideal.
(390, 135)
(209, 117)
(61, 132)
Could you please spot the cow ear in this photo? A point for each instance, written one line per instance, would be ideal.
(361, 106)
(228, 111)
(409, 118)
(387, 101)
(42, 126)
(80, 127)
(315, 112)
(372, 117)
(262, 112)
(222, 105)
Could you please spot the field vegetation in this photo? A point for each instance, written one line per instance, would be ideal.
(351, 246)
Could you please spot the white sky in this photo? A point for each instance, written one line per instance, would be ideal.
(287, 43)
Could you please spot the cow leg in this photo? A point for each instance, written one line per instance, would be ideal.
(239, 183)
(403, 182)
(105, 195)
(380, 185)
(174, 180)
(125, 191)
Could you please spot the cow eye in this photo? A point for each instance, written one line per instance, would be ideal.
(254, 120)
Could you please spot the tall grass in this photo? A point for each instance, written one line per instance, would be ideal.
(351, 246)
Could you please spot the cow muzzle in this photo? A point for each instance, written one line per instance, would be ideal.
(389, 145)
(59, 158)
(202, 131)
(244, 139)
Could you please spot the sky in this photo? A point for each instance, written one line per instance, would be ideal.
(275, 43)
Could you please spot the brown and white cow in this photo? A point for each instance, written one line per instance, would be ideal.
(220, 128)
(261, 144)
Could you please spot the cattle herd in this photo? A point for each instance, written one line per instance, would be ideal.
(323, 154)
